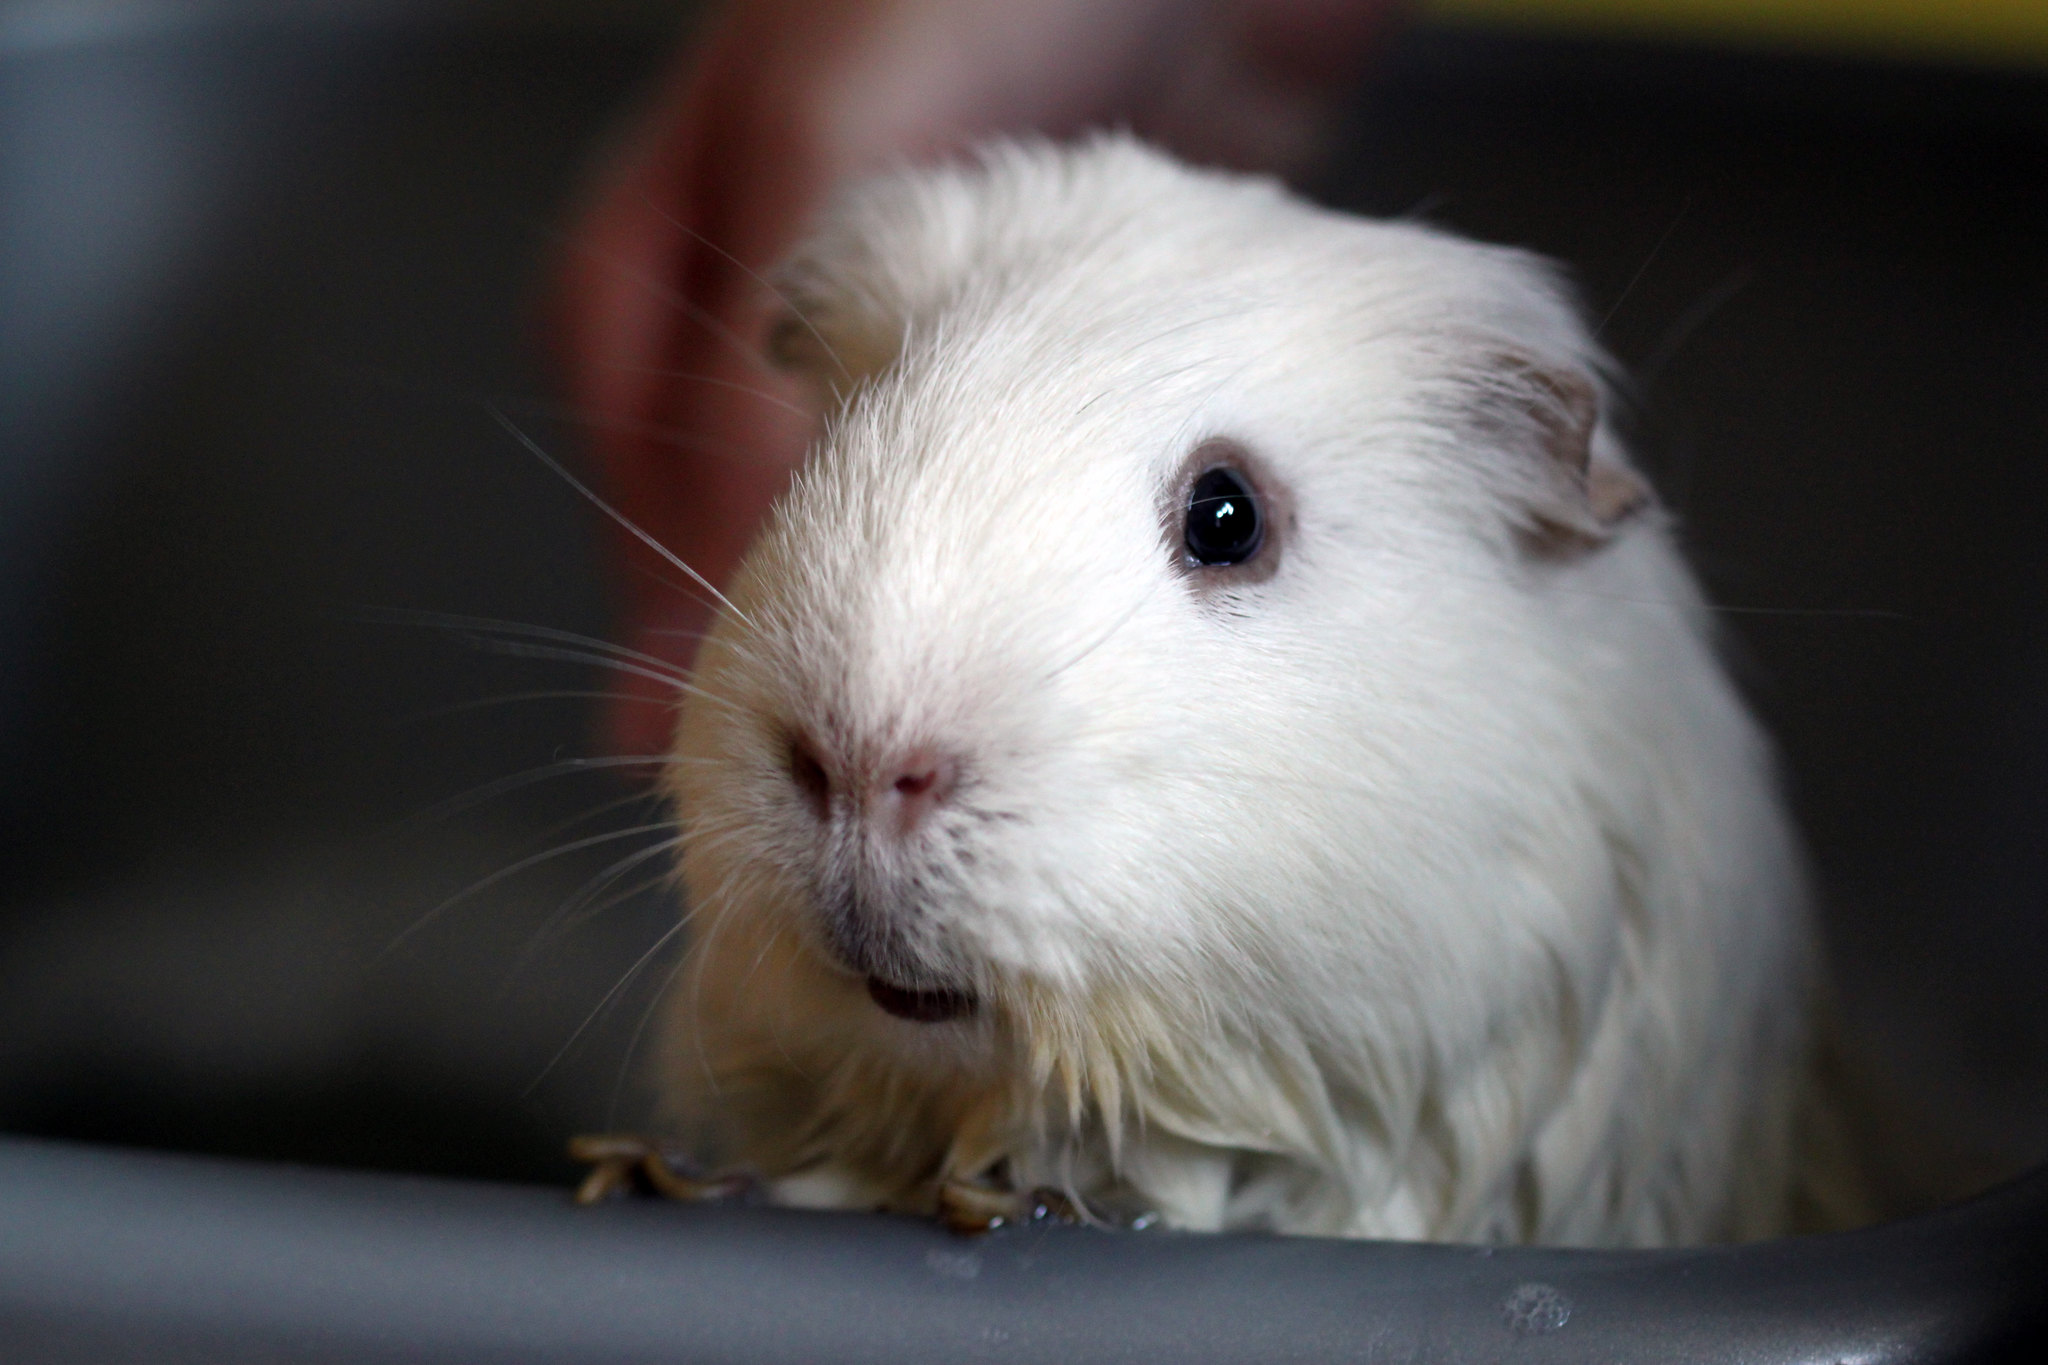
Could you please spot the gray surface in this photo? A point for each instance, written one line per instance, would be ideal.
(108, 1256)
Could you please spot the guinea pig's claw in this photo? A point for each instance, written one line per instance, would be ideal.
(606, 1179)
(621, 1162)
(972, 1209)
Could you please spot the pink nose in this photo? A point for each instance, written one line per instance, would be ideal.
(909, 790)
(896, 797)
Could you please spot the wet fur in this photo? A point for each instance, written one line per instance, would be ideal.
(1436, 886)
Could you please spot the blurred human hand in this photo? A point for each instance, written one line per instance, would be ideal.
(662, 310)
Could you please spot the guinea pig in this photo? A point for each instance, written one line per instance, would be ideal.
(1218, 728)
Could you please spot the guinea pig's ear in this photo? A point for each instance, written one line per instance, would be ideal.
(1578, 490)
(813, 342)
(794, 342)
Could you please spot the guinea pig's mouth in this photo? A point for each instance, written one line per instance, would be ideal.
(920, 1007)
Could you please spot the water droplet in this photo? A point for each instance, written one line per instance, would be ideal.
(1535, 1309)
(954, 1265)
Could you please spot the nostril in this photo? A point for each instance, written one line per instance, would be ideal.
(811, 779)
(921, 781)
(917, 784)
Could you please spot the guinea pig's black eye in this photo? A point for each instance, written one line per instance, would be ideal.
(1224, 525)
(787, 342)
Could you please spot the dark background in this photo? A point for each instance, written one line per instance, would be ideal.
(258, 276)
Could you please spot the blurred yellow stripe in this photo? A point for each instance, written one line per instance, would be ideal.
(2006, 31)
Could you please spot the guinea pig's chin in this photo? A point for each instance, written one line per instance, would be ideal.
(899, 981)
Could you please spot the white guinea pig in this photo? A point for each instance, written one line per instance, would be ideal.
(1219, 729)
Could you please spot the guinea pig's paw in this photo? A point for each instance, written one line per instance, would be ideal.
(624, 1162)
(970, 1208)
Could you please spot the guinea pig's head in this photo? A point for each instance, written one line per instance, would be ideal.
(1148, 633)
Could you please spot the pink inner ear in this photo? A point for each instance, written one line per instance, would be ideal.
(1552, 413)
(1568, 407)
(1613, 492)
(1569, 410)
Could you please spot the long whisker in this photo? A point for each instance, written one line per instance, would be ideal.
(715, 382)
(513, 698)
(680, 302)
(516, 649)
(721, 903)
(659, 433)
(497, 787)
(640, 888)
(1689, 322)
(562, 827)
(1101, 639)
(603, 1004)
(681, 590)
(757, 278)
(633, 1043)
(486, 625)
(563, 850)
(1644, 268)
(534, 448)
(591, 890)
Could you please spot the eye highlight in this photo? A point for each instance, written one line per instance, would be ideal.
(1224, 522)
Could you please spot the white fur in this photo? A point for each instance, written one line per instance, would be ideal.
(1435, 887)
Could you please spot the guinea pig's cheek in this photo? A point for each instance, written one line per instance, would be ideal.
(1022, 941)
(1015, 915)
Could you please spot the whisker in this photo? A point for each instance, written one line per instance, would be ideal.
(563, 914)
(1840, 613)
(757, 278)
(513, 698)
(497, 787)
(486, 625)
(515, 649)
(640, 888)
(720, 904)
(680, 302)
(585, 649)
(1149, 381)
(1689, 322)
(602, 808)
(747, 389)
(1099, 640)
(1643, 269)
(527, 404)
(668, 982)
(534, 448)
(602, 1004)
(561, 851)
(681, 590)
